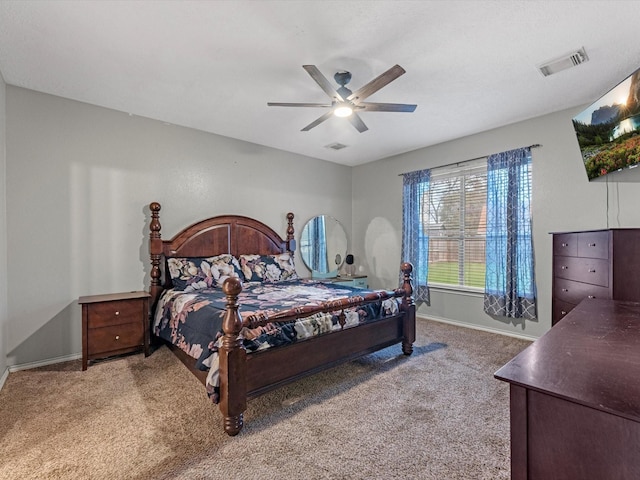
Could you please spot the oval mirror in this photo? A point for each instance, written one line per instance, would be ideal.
(323, 246)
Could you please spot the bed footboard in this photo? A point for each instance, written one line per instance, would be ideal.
(243, 377)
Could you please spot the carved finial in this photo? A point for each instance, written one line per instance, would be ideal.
(232, 287)
(155, 226)
(406, 269)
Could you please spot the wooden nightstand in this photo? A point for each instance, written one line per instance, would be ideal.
(114, 324)
(357, 281)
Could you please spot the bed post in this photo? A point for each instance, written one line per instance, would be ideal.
(233, 362)
(409, 308)
(291, 241)
(155, 252)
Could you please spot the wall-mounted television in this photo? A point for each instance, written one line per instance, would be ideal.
(608, 130)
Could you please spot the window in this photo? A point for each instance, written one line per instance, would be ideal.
(454, 225)
(468, 227)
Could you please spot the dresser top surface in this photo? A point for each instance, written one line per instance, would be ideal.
(591, 357)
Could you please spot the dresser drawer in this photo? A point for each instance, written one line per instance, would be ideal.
(574, 292)
(593, 244)
(115, 337)
(587, 270)
(114, 313)
(560, 310)
(565, 244)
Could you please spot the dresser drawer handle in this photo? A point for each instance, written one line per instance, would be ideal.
(591, 296)
(564, 267)
(117, 337)
(591, 244)
(565, 289)
(592, 270)
(117, 313)
(565, 244)
(563, 312)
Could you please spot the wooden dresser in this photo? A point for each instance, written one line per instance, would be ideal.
(575, 397)
(114, 324)
(594, 264)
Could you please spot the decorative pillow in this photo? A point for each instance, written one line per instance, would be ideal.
(268, 268)
(195, 273)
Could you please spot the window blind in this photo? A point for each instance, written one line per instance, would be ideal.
(454, 219)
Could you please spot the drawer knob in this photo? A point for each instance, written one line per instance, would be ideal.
(117, 337)
(565, 290)
(563, 312)
(565, 244)
(592, 270)
(591, 296)
(564, 267)
(117, 313)
(591, 244)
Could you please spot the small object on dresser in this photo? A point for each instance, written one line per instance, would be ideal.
(114, 324)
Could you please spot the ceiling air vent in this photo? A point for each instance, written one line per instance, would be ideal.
(569, 60)
(335, 146)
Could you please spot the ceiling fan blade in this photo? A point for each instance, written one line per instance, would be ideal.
(357, 122)
(279, 104)
(387, 107)
(318, 121)
(376, 84)
(323, 82)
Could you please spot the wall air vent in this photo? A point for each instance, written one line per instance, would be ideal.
(335, 146)
(569, 60)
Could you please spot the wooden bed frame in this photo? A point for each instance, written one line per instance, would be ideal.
(244, 376)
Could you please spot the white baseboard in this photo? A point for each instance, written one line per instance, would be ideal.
(44, 363)
(76, 356)
(3, 378)
(479, 327)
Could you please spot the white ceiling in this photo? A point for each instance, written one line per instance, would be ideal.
(214, 65)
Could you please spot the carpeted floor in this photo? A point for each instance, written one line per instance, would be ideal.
(438, 414)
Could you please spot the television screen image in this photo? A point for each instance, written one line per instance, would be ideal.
(608, 130)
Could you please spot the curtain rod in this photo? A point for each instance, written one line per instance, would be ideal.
(535, 145)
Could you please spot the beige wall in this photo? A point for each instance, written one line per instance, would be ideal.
(563, 200)
(4, 322)
(79, 181)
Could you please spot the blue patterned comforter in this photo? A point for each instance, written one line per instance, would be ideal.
(193, 321)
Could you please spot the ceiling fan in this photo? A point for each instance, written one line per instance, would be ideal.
(347, 104)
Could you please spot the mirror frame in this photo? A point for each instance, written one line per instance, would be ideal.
(335, 248)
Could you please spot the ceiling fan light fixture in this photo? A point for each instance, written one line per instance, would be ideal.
(343, 111)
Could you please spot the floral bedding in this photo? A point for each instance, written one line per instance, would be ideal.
(192, 319)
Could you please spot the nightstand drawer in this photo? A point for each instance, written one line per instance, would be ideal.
(359, 282)
(356, 282)
(114, 313)
(115, 337)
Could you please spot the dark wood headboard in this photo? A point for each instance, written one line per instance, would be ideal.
(232, 234)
